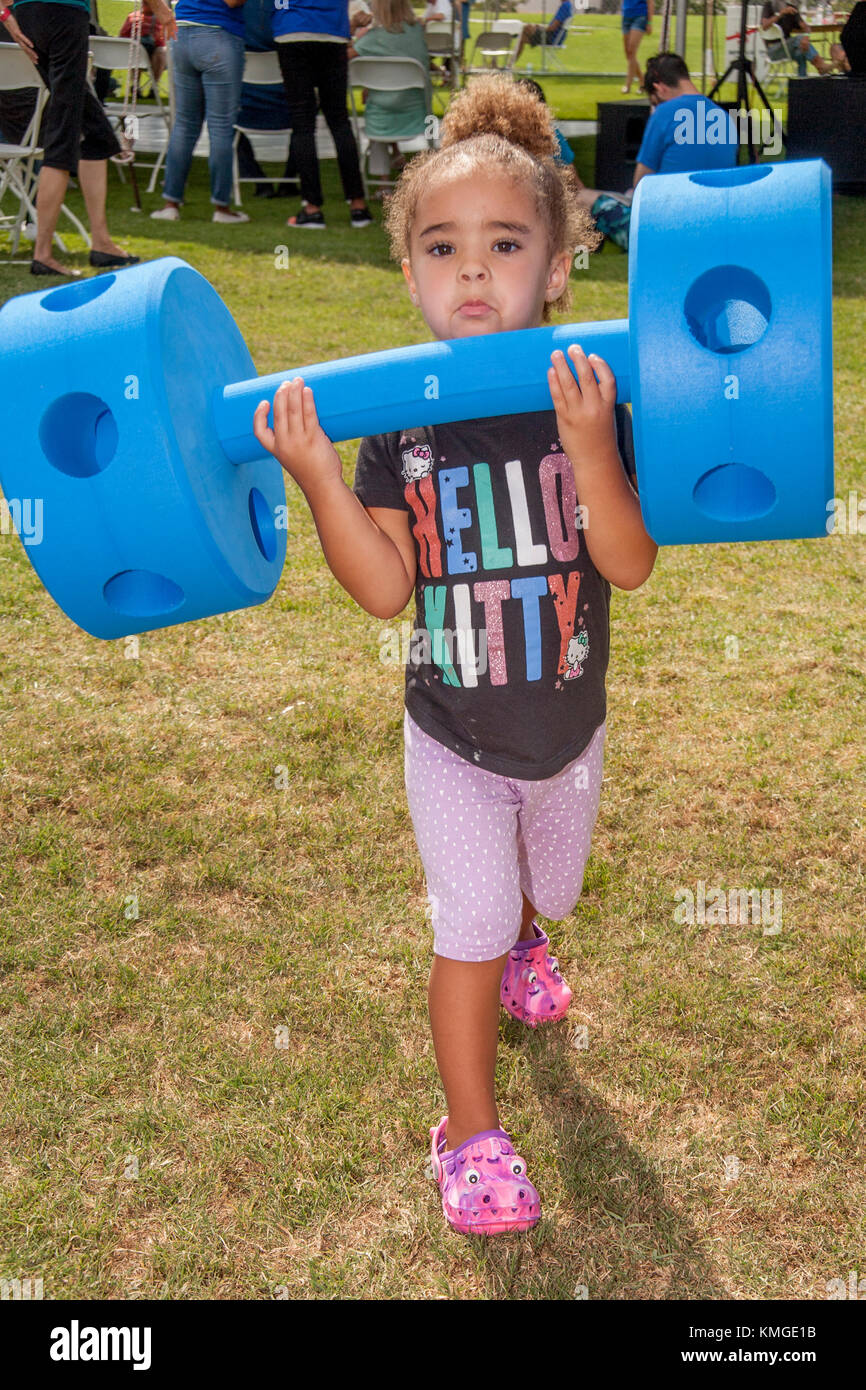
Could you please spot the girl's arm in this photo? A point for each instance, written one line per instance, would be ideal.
(373, 559)
(616, 538)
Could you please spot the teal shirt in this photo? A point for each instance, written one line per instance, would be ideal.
(389, 114)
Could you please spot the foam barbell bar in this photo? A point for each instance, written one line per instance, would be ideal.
(130, 401)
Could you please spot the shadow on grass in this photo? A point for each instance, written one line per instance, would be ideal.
(615, 1235)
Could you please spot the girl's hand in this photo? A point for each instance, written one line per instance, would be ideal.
(584, 408)
(297, 439)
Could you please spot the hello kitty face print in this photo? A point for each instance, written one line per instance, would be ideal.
(417, 463)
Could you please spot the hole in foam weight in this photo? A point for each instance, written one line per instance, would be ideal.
(728, 309)
(73, 296)
(730, 178)
(78, 434)
(734, 492)
(262, 522)
(142, 593)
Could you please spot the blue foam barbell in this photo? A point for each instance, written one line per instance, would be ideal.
(160, 506)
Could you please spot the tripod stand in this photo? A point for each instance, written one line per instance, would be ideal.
(744, 68)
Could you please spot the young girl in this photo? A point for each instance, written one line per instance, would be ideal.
(510, 532)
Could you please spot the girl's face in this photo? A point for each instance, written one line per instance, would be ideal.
(478, 259)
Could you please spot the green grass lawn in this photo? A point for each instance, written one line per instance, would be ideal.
(213, 941)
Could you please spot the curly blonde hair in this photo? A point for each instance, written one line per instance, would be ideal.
(497, 124)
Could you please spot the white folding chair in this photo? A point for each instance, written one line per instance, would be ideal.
(260, 70)
(495, 48)
(442, 38)
(128, 55)
(388, 75)
(555, 48)
(16, 161)
(776, 70)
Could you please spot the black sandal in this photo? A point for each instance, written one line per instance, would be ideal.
(308, 219)
(40, 268)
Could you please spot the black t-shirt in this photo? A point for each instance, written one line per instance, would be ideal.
(509, 652)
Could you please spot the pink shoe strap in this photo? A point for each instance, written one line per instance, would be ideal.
(540, 940)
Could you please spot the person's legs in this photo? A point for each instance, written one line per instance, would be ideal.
(633, 41)
(93, 180)
(50, 193)
(463, 1004)
(332, 75)
(531, 34)
(188, 116)
(219, 57)
(61, 47)
(555, 827)
(157, 61)
(465, 822)
(296, 66)
(811, 55)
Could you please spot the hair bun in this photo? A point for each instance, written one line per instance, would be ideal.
(494, 104)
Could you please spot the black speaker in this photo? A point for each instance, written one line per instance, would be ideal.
(853, 39)
(621, 125)
(826, 120)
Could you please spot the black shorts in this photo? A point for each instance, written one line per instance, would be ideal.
(75, 125)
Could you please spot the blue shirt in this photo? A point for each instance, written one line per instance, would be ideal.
(688, 133)
(313, 17)
(213, 12)
(565, 154)
(565, 11)
(632, 9)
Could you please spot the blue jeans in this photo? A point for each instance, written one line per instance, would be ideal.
(207, 67)
(780, 49)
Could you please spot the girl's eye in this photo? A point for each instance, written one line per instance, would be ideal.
(447, 247)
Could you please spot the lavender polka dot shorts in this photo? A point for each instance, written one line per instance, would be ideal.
(485, 839)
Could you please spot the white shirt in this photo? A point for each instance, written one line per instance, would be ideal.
(442, 7)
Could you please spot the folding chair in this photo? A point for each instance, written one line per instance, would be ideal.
(556, 45)
(387, 75)
(492, 45)
(777, 70)
(128, 55)
(16, 161)
(440, 38)
(260, 70)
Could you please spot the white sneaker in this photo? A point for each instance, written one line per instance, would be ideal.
(220, 216)
(167, 214)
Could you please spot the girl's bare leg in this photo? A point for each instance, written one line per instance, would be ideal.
(463, 1001)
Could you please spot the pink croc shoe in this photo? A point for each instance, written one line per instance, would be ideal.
(485, 1190)
(532, 990)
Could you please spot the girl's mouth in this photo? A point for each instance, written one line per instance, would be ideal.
(474, 308)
